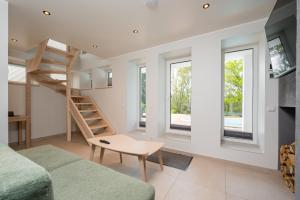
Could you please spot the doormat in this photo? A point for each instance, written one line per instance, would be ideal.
(170, 159)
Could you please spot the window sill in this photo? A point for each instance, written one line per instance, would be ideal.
(239, 141)
(178, 132)
(177, 137)
(142, 129)
(241, 145)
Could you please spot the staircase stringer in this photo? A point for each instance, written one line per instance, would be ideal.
(81, 123)
(34, 63)
(110, 127)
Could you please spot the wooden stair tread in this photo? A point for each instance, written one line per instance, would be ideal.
(85, 103)
(99, 135)
(91, 118)
(79, 97)
(88, 110)
(97, 126)
(58, 52)
(52, 62)
(53, 81)
(50, 72)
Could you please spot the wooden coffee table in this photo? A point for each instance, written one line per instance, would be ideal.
(126, 145)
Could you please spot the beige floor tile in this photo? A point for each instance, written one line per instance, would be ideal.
(161, 182)
(205, 172)
(166, 169)
(253, 184)
(234, 197)
(183, 190)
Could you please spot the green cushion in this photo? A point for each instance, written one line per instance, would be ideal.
(22, 179)
(87, 180)
(49, 156)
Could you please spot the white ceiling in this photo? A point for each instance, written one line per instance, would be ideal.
(109, 23)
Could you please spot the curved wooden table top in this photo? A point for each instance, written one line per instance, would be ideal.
(125, 144)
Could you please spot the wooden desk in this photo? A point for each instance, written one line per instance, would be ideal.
(19, 120)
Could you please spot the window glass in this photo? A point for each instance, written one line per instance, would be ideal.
(180, 95)
(16, 73)
(109, 79)
(142, 96)
(57, 45)
(238, 94)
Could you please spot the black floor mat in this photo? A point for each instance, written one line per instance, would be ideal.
(175, 160)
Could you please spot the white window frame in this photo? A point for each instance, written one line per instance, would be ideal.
(255, 92)
(33, 83)
(25, 75)
(57, 45)
(168, 96)
(109, 72)
(139, 96)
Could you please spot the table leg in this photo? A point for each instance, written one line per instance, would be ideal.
(28, 133)
(19, 133)
(160, 158)
(142, 161)
(93, 147)
(121, 158)
(102, 150)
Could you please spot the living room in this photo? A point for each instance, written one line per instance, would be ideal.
(201, 105)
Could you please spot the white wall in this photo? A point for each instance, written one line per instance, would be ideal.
(206, 98)
(99, 77)
(3, 70)
(48, 111)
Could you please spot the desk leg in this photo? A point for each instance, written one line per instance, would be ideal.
(142, 161)
(93, 147)
(121, 159)
(19, 133)
(160, 158)
(102, 150)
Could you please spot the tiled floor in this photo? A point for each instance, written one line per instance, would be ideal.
(205, 179)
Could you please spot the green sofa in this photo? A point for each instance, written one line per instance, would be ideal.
(47, 173)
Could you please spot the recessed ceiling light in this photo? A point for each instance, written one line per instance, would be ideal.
(135, 31)
(95, 46)
(14, 40)
(46, 12)
(206, 6)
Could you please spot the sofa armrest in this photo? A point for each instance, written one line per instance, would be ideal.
(22, 178)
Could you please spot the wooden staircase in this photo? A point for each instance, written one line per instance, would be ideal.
(43, 68)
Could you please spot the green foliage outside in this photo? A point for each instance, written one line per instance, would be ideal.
(181, 90)
(233, 91)
(143, 91)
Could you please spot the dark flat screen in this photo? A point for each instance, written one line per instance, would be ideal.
(281, 31)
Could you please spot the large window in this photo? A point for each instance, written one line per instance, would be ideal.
(239, 93)
(109, 79)
(142, 96)
(16, 73)
(179, 91)
(57, 45)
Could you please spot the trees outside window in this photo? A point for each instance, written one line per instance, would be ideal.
(238, 93)
(180, 95)
(142, 96)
